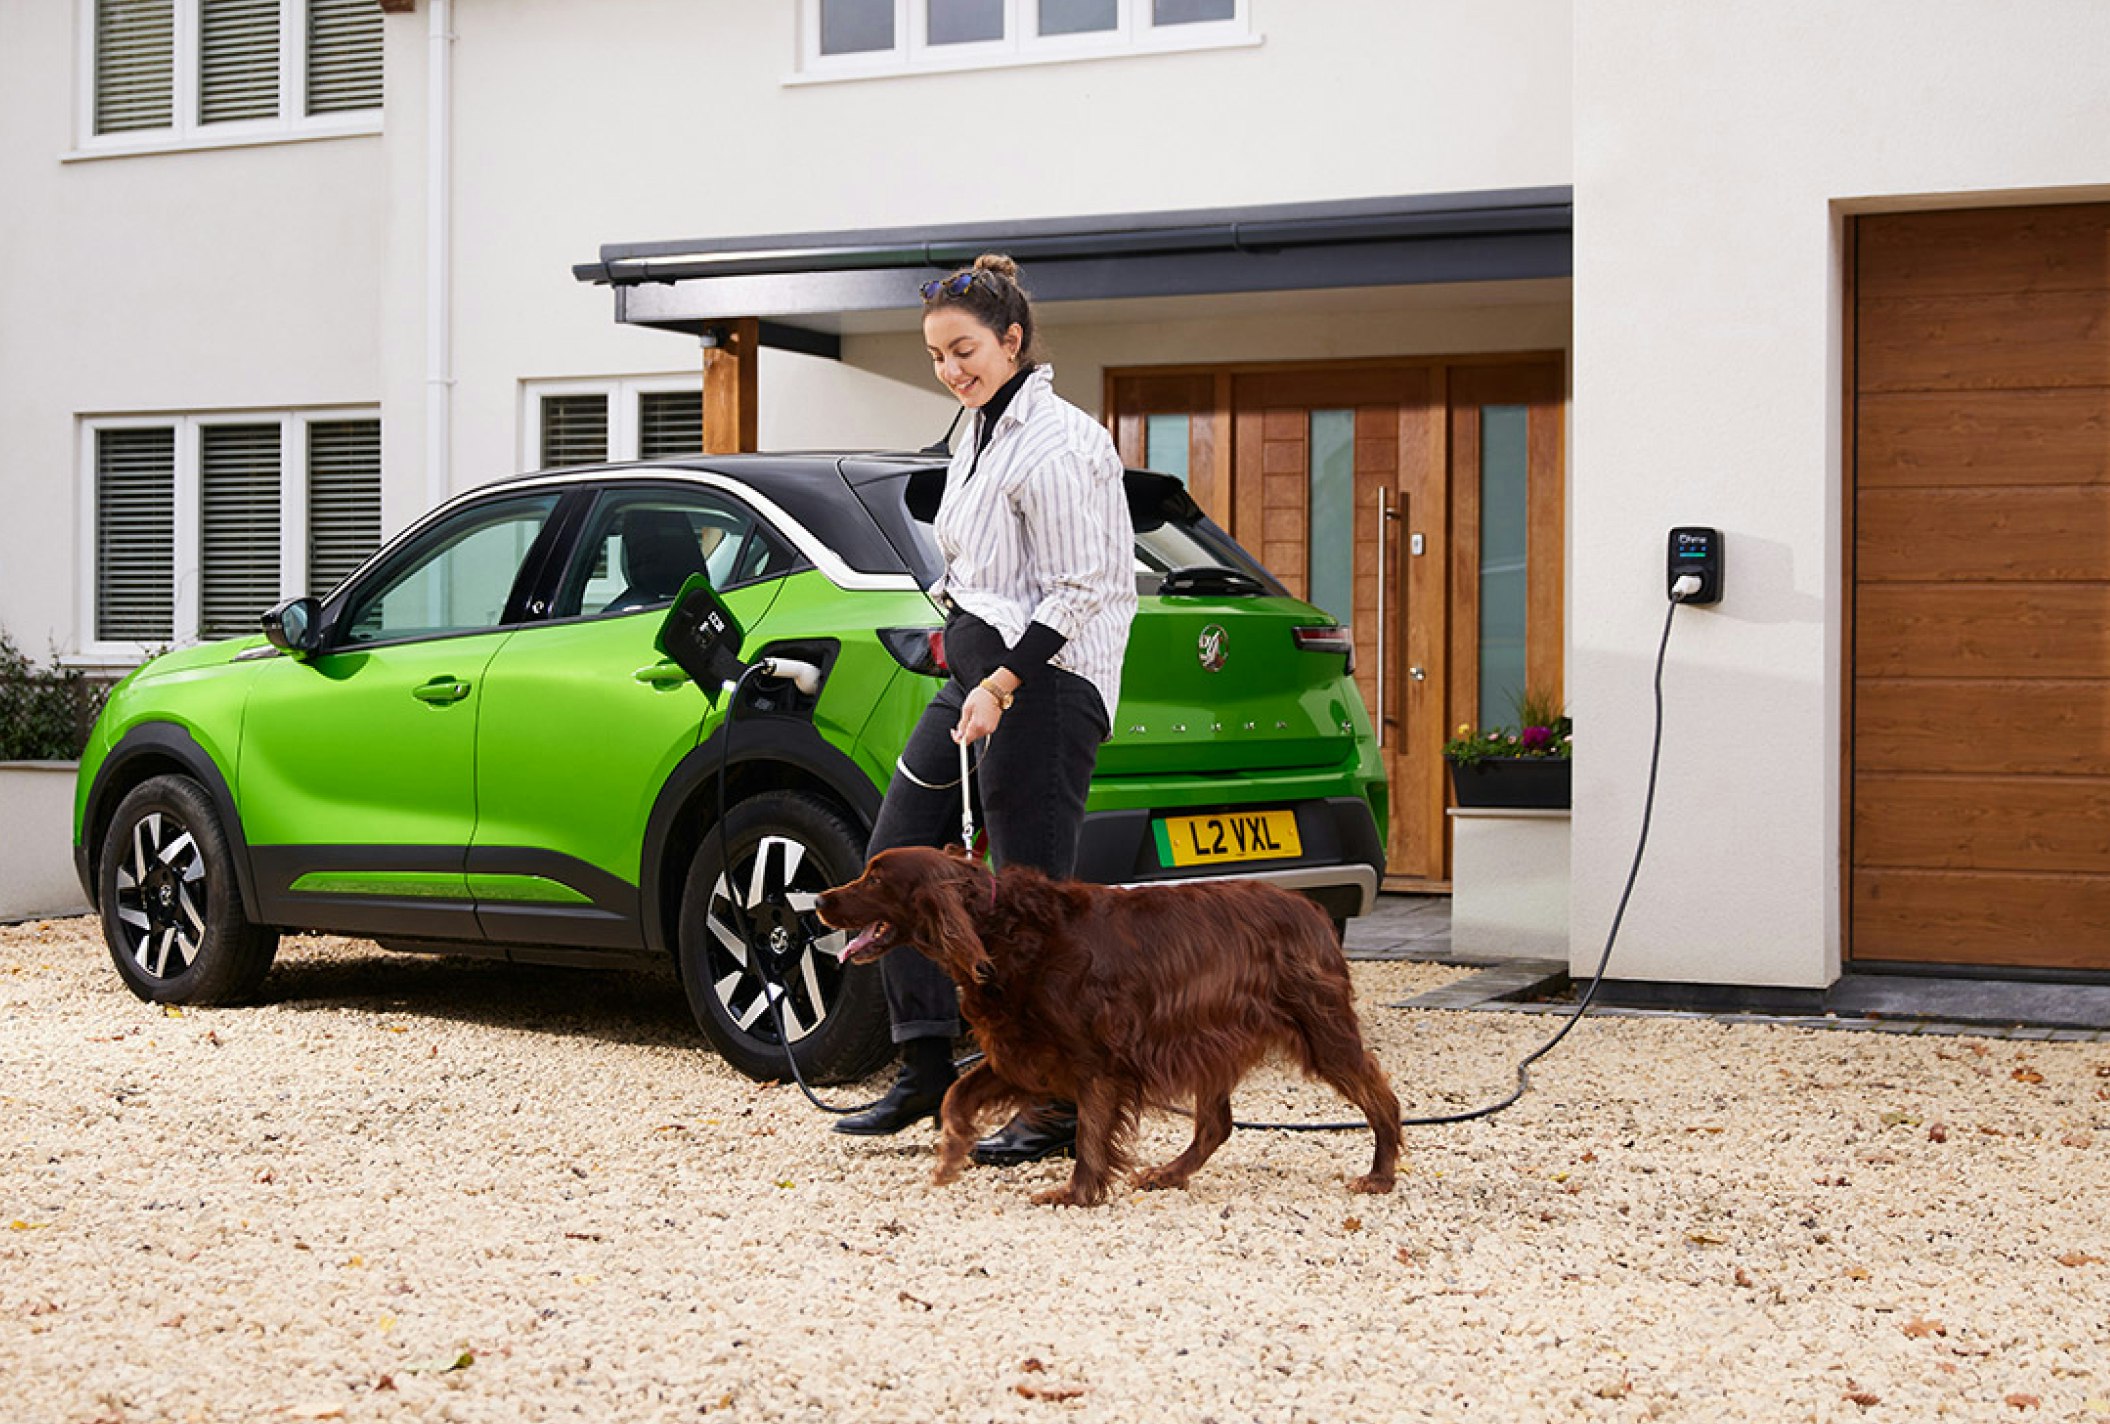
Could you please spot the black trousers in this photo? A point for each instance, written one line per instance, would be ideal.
(1029, 781)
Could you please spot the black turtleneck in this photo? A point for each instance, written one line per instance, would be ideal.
(993, 410)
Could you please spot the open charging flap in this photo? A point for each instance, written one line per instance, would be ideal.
(702, 637)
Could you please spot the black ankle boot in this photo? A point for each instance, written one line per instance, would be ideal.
(926, 1072)
(1043, 1130)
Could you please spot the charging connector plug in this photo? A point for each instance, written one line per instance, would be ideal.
(802, 675)
(1686, 586)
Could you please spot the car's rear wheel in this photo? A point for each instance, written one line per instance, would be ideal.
(759, 967)
(171, 907)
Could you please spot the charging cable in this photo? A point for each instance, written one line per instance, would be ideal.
(1679, 593)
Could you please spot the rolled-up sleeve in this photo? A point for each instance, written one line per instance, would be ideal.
(1078, 543)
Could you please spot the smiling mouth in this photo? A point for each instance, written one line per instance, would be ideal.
(867, 944)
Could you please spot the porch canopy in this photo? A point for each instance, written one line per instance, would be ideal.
(798, 287)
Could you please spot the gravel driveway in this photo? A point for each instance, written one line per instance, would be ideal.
(407, 1189)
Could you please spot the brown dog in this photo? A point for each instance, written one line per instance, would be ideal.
(1120, 1000)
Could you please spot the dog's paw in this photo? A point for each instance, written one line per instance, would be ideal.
(1062, 1196)
(1159, 1179)
(945, 1174)
(1371, 1185)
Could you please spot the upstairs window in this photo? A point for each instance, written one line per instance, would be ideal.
(176, 73)
(843, 39)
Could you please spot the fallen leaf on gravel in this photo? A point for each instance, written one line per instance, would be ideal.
(2076, 1258)
(385, 1382)
(1897, 1118)
(1920, 1329)
(584, 1236)
(1857, 1273)
(1743, 1277)
(1353, 1223)
(1863, 1398)
(316, 1411)
(2023, 1401)
(1705, 1238)
(1057, 1392)
(1990, 1131)
(905, 1296)
(672, 1127)
(2027, 1075)
(1938, 1133)
(1404, 1256)
(445, 1367)
(787, 1182)
(1032, 1365)
(171, 1011)
(18, 1224)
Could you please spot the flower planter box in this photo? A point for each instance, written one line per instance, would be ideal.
(1536, 783)
(36, 867)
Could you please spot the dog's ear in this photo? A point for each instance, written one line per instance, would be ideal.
(953, 941)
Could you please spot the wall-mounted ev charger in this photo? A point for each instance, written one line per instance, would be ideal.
(1695, 554)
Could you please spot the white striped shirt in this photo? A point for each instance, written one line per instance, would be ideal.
(1040, 533)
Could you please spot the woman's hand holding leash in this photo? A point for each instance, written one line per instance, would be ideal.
(984, 707)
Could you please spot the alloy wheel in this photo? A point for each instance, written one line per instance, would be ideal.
(161, 896)
(789, 956)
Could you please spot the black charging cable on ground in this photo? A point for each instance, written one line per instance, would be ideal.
(1582, 1005)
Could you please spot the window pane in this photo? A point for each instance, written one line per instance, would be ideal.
(966, 21)
(574, 430)
(135, 65)
(344, 55)
(669, 423)
(238, 486)
(457, 580)
(1504, 560)
(1078, 17)
(643, 547)
(344, 499)
(237, 60)
(135, 535)
(1332, 553)
(856, 26)
(1191, 12)
(1165, 444)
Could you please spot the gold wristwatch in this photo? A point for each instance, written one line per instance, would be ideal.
(1003, 698)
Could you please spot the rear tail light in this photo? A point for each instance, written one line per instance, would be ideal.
(917, 649)
(1333, 638)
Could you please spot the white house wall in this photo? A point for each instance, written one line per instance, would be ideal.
(577, 125)
(1717, 150)
(173, 282)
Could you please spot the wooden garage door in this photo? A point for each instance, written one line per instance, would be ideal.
(1981, 555)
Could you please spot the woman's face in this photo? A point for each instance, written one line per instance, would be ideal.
(970, 359)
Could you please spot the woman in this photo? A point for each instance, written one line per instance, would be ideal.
(1039, 590)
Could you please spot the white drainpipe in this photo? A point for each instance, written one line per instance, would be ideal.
(439, 197)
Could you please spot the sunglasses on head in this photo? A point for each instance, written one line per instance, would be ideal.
(951, 286)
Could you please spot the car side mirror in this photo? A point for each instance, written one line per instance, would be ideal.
(703, 637)
(292, 625)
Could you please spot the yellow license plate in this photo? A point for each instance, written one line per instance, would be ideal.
(1227, 836)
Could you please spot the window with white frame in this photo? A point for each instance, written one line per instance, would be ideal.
(163, 73)
(593, 422)
(860, 38)
(201, 522)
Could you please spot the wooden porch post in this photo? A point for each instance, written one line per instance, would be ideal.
(730, 387)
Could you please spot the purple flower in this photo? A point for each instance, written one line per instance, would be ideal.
(1536, 739)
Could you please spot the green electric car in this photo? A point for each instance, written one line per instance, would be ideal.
(473, 745)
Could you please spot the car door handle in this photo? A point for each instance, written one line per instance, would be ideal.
(441, 690)
(662, 675)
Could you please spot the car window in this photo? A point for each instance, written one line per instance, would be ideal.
(456, 578)
(641, 546)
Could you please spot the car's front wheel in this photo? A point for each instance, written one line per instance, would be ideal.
(759, 967)
(171, 908)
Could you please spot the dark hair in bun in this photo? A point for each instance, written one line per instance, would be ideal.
(990, 292)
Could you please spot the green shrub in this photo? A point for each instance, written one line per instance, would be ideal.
(45, 713)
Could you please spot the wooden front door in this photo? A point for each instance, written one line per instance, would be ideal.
(1980, 753)
(1360, 485)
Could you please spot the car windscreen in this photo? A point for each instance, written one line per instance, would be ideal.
(1173, 536)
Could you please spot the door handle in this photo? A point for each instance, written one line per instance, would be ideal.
(662, 675)
(441, 690)
(1385, 515)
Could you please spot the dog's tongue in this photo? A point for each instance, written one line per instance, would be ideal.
(863, 937)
